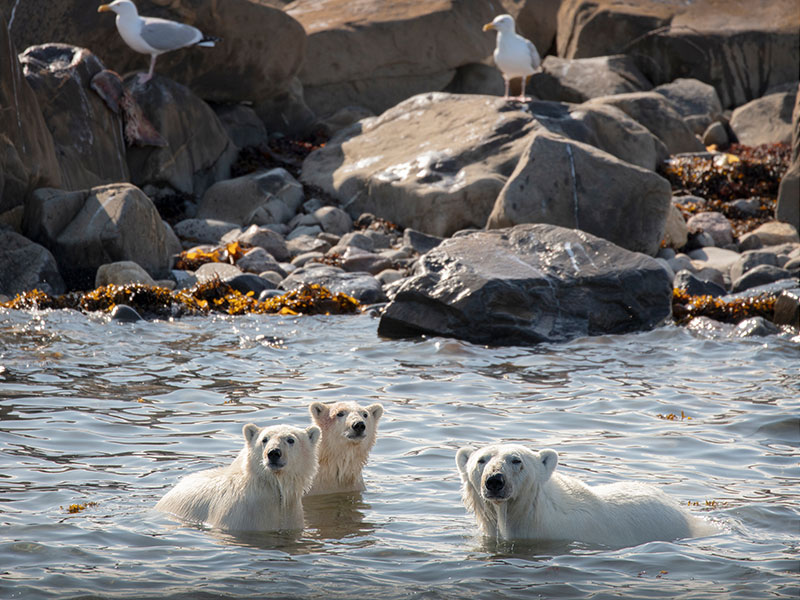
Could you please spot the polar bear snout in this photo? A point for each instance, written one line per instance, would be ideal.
(495, 487)
(359, 427)
(274, 457)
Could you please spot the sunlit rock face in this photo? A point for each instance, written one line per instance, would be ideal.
(437, 162)
(529, 284)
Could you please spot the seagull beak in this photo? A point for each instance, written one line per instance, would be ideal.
(104, 8)
(488, 26)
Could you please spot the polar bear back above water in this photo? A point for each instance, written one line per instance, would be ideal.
(260, 491)
(348, 434)
(515, 493)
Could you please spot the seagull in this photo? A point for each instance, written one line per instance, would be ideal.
(514, 55)
(153, 36)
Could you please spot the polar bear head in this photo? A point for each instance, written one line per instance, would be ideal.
(287, 453)
(502, 473)
(347, 423)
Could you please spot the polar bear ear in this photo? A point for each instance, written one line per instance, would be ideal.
(462, 456)
(376, 410)
(320, 413)
(549, 459)
(250, 432)
(313, 434)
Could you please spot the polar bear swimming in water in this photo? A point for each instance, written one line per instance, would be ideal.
(348, 434)
(260, 491)
(515, 493)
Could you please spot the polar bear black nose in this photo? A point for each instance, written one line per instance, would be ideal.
(274, 454)
(495, 483)
(359, 426)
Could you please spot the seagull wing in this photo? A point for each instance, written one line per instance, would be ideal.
(166, 35)
(535, 59)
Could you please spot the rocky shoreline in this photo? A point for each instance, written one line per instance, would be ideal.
(620, 198)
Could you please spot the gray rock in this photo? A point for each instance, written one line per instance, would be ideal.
(125, 314)
(766, 120)
(89, 228)
(714, 224)
(420, 242)
(262, 237)
(388, 276)
(205, 231)
(361, 260)
(306, 243)
(87, 134)
(183, 279)
(655, 112)
(697, 102)
(25, 266)
(787, 308)
(751, 259)
(755, 327)
(215, 270)
(302, 259)
(788, 207)
(529, 284)
(676, 233)
(122, 273)
(304, 231)
(578, 80)
(261, 198)
(769, 234)
(716, 135)
(748, 207)
(356, 239)
(694, 286)
(562, 182)
(198, 151)
(242, 124)
(361, 286)
(717, 258)
(333, 220)
(757, 276)
(259, 260)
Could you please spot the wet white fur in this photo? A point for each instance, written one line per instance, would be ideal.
(341, 456)
(249, 494)
(541, 504)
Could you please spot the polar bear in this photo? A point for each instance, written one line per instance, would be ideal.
(260, 491)
(515, 493)
(348, 434)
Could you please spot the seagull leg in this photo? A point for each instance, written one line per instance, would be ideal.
(505, 95)
(524, 84)
(149, 76)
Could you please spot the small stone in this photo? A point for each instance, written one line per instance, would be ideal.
(755, 327)
(302, 259)
(258, 260)
(125, 314)
(211, 271)
(333, 220)
(694, 286)
(760, 275)
(304, 230)
(123, 272)
(787, 308)
(715, 224)
(751, 259)
(716, 135)
(419, 241)
(747, 207)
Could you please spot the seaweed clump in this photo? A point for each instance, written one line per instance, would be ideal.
(213, 296)
(193, 259)
(686, 307)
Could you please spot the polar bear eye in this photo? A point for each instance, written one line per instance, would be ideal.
(516, 461)
(340, 413)
(290, 440)
(365, 415)
(481, 460)
(265, 439)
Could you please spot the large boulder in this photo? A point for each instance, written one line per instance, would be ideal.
(655, 112)
(437, 162)
(376, 54)
(198, 151)
(567, 183)
(579, 79)
(261, 51)
(788, 207)
(528, 284)
(89, 228)
(27, 153)
(739, 48)
(87, 134)
(25, 265)
(536, 20)
(766, 120)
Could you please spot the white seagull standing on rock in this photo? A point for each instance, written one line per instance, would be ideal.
(514, 55)
(153, 36)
